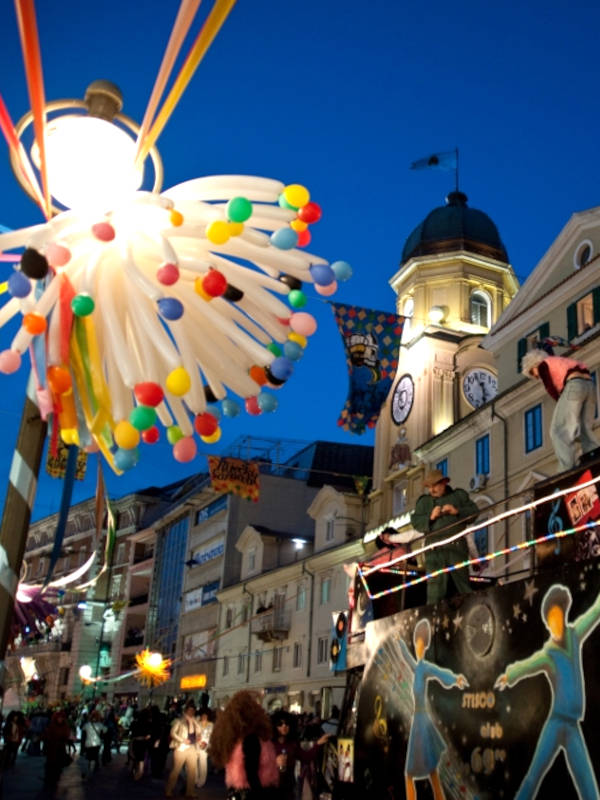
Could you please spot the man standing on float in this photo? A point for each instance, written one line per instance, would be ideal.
(560, 661)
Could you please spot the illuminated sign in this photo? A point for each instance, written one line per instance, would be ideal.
(192, 682)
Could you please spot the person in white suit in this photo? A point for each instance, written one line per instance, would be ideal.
(206, 728)
(185, 739)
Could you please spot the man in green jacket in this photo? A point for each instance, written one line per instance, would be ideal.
(443, 508)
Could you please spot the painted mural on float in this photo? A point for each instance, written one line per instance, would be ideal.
(492, 696)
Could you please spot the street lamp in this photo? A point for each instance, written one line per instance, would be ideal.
(91, 160)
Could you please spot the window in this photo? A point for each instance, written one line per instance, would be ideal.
(115, 585)
(407, 311)
(482, 455)
(245, 613)
(533, 428)
(584, 314)
(399, 499)
(297, 655)
(63, 676)
(41, 566)
(301, 597)
(325, 590)
(443, 467)
(481, 540)
(480, 309)
(329, 530)
(241, 667)
(121, 553)
(277, 658)
(531, 341)
(257, 661)
(229, 617)
(322, 650)
(225, 665)
(252, 559)
(583, 254)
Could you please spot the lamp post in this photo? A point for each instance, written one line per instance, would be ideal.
(94, 123)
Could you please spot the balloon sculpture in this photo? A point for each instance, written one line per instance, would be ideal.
(165, 309)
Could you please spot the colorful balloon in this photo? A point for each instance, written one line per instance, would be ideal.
(148, 393)
(214, 283)
(284, 239)
(178, 381)
(34, 323)
(126, 459)
(59, 379)
(304, 238)
(10, 361)
(218, 232)
(170, 308)
(205, 424)
(274, 348)
(281, 368)
(297, 299)
(311, 212)
(214, 437)
(82, 305)
(185, 449)
(175, 218)
(267, 402)
(296, 195)
(214, 409)
(235, 228)
(151, 436)
(291, 281)
(293, 351)
(239, 209)
(174, 434)
(298, 225)
(303, 323)
(322, 274)
(167, 273)
(258, 375)
(57, 255)
(230, 407)
(232, 294)
(125, 435)
(298, 338)
(342, 270)
(18, 285)
(326, 291)
(103, 231)
(34, 264)
(252, 406)
(142, 417)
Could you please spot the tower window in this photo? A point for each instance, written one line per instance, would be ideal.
(480, 309)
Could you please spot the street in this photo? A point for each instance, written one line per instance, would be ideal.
(26, 782)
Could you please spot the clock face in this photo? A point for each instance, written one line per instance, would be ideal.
(479, 386)
(402, 399)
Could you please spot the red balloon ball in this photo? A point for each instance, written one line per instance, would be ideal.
(103, 231)
(311, 212)
(148, 393)
(214, 283)
(205, 424)
(252, 406)
(304, 238)
(151, 436)
(167, 273)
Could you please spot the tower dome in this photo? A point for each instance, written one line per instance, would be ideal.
(455, 226)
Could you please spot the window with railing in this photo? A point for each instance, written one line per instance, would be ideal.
(322, 649)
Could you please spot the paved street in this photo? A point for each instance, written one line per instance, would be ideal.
(25, 782)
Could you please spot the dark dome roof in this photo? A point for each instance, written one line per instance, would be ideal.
(455, 226)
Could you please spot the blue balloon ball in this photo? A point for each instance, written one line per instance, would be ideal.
(342, 270)
(230, 407)
(267, 402)
(126, 459)
(322, 274)
(293, 351)
(170, 308)
(19, 285)
(214, 409)
(284, 239)
(281, 368)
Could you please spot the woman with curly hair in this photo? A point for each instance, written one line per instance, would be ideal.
(241, 742)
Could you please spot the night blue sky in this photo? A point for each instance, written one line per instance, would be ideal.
(342, 97)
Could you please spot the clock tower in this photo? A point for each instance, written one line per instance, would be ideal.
(453, 283)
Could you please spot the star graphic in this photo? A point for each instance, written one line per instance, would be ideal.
(457, 621)
(530, 591)
(516, 610)
(445, 621)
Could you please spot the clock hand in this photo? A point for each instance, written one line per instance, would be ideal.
(481, 384)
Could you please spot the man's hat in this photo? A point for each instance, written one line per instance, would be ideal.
(434, 476)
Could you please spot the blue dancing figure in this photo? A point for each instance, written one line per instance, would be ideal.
(560, 661)
(425, 743)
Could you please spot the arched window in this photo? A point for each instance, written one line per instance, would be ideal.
(480, 309)
(407, 311)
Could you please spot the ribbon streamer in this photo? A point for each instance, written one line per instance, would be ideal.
(65, 504)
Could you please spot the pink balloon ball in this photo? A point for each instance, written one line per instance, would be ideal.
(57, 255)
(167, 273)
(185, 449)
(103, 231)
(303, 323)
(252, 406)
(328, 290)
(10, 361)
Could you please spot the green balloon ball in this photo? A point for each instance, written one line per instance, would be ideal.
(239, 209)
(284, 203)
(174, 434)
(297, 298)
(143, 417)
(82, 305)
(274, 348)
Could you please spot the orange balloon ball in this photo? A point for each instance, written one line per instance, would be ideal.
(34, 323)
(59, 379)
(176, 218)
(258, 375)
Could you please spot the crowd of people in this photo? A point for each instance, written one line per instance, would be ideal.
(278, 757)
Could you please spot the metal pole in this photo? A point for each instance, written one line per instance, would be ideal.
(18, 506)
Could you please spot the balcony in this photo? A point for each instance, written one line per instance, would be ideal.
(39, 648)
(138, 600)
(272, 625)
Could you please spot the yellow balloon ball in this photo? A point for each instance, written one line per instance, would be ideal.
(176, 218)
(178, 381)
(235, 228)
(296, 195)
(298, 226)
(214, 437)
(298, 338)
(218, 232)
(125, 435)
(199, 289)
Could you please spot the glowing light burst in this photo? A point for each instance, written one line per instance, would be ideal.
(153, 668)
(165, 309)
